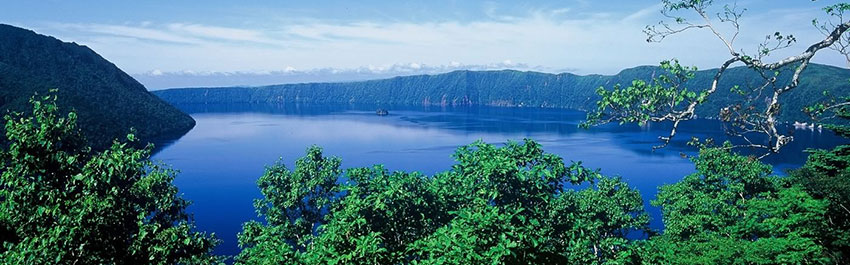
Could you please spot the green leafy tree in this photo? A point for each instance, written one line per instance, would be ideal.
(731, 211)
(756, 107)
(61, 203)
(497, 205)
(294, 204)
(826, 176)
(516, 207)
(720, 226)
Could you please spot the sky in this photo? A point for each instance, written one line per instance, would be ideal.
(220, 43)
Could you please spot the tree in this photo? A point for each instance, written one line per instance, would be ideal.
(753, 119)
(516, 208)
(293, 204)
(497, 205)
(754, 114)
(826, 176)
(731, 211)
(61, 203)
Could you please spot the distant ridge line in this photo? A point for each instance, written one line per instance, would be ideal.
(509, 88)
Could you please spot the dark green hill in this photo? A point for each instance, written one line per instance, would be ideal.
(509, 88)
(108, 101)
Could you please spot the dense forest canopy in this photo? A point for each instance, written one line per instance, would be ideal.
(108, 102)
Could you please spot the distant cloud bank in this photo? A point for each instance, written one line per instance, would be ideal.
(157, 79)
(281, 43)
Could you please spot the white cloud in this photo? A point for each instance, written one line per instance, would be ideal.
(132, 32)
(560, 11)
(160, 80)
(219, 33)
(644, 13)
(553, 39)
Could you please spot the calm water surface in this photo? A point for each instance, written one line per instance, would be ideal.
(223, 156)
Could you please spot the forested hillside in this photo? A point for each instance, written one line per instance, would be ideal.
(108, 101)
(510, 88)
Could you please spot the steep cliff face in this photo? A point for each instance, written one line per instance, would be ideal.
(516, 89)
(108, 101)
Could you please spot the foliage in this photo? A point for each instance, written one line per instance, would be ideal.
(294, 204)
(732, 212)
(497, 205)
(107, 101)
(61, 203)
(643, 101)
(754, 112)
(835, 111)
(519, 205)
(826, 176)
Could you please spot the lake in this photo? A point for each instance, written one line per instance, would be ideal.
(221, 159)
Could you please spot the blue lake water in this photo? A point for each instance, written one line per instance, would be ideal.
(223, 156)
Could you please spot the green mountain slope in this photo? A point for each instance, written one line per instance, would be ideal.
(510, 88)
(108, 101)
